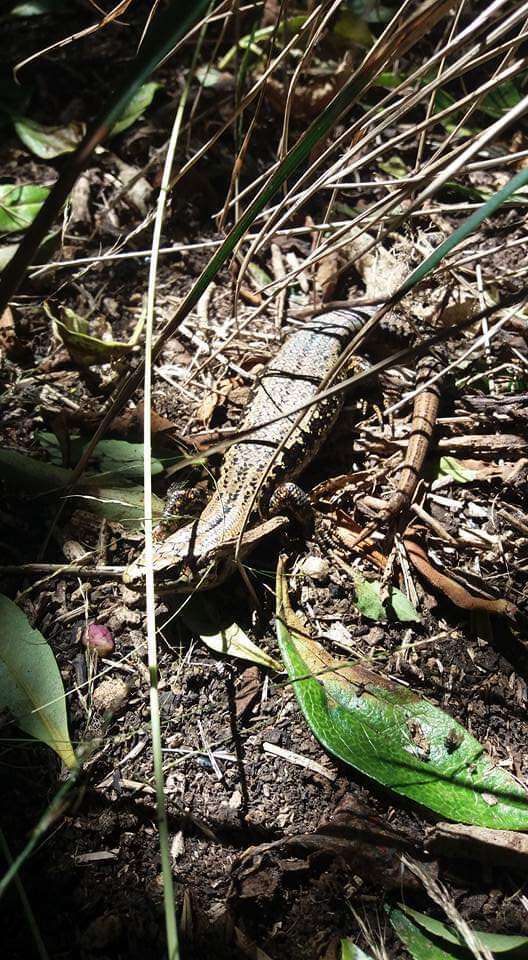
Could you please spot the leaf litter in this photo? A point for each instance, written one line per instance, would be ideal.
(469, 665)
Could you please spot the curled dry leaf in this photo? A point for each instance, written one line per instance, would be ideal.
(452, 589)
(308, 100)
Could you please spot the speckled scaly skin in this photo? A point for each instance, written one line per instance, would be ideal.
(192, 557)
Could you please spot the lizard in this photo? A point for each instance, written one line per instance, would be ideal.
(201, 554)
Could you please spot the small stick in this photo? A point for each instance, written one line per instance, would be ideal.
(69, 569)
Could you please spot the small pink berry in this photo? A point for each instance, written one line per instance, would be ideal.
(99, 639)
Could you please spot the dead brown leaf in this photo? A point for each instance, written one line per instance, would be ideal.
(451, 588)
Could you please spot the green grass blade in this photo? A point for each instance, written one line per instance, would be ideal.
(162, 36)
(464, 230)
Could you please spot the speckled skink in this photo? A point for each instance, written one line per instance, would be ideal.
(192, 557)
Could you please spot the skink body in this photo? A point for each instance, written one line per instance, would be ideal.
(194, 556)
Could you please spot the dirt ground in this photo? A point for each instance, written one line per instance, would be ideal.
(266, 853)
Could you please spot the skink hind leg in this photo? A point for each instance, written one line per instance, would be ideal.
(182, 505)
(292, 501)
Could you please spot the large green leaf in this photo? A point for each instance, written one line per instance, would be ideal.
(31, 687)
(19, 205)
(123, 504)
(115, 460)
(393, 736)
(430, 939)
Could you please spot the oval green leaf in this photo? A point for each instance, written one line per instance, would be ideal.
(136, 106)
(48, 142)
(19, 206)
(114, 460)
(31, 686)
(393, 736)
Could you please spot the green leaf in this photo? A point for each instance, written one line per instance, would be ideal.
(259, 275)
(31, 686)
(112, 459)
(19, 205)
(368, 599)
(286, 27)
(45, 250)
(369, 603)
(121, 504)
(211, 78)
(393, 736)
(353, 29)
(233, 642)
(48, 142)
(439, 939)
(449, 467)
(85, 349)
(402, 607)
(501, 99)
(394, 167)
(349, 951)
(136, 106)
(419, 946)
(204, 617)
(28, 475)
(497, 943)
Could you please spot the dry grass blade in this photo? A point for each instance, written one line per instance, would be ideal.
(108, 18)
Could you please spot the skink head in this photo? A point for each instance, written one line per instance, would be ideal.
(182, 571)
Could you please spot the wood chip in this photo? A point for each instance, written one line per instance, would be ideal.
(299, 760)
(501, 847)
(97, 857)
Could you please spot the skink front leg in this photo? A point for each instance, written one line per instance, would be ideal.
(182, 505)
